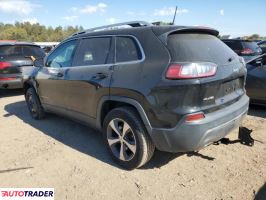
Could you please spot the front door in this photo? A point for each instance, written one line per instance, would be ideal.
(51, 78)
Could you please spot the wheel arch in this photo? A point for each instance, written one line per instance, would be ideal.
(26, 86)
(108, 103)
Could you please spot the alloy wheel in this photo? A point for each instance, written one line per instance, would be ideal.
(121, 139)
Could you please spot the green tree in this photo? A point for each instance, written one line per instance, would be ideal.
(13, 33)
(254, 37)
(36, 32)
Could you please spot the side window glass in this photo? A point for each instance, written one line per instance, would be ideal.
(127, 49)
(93, 51)
(62, 56)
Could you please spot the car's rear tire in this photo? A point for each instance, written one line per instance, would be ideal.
(126, 138)
(34, 104)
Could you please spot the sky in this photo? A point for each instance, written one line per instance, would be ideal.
(230, 17)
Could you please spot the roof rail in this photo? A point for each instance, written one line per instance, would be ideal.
(113, 26)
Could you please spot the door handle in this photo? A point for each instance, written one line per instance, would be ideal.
(57, 74)
(100, 75)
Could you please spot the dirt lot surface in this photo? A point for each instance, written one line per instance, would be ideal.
(56, 152)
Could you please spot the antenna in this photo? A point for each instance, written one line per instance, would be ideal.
(174, 15)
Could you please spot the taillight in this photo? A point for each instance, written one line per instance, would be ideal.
(190, 70)
(8, 78)
(4, 65)
(195, 117)
(247, 51)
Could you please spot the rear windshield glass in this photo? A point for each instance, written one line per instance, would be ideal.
(251, 45)
(21, 50)
(235, 45)
(33, 51)
(196, 47)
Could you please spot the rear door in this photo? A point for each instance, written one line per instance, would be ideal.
(89, 77)
(129, 61)
(51, 78)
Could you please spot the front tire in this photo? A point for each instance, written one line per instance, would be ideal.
(34, 104)
(126, 138)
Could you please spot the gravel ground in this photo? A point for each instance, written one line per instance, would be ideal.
(59, 153)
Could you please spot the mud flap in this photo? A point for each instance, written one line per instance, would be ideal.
(244, 137)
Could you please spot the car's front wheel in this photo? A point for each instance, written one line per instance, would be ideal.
(34, 104)
(126, 138)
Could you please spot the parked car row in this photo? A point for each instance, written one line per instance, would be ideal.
(174, 88)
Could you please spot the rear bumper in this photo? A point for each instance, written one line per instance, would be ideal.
(11, 84)
(192, 136)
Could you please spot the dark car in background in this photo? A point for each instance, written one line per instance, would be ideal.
(15, 58)
(262, 45)
(175, 88)
(244, 48)
(256, 80)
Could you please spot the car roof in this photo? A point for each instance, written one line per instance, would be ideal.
(7, 43)
(158, 30)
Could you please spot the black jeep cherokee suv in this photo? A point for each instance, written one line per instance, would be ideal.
(175, 88)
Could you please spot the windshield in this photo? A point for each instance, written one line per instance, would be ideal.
(195, 47)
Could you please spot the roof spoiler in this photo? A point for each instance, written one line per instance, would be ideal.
(210, 31)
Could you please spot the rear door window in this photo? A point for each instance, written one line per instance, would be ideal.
(196, 47)
(127, 49)
(93, 51)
